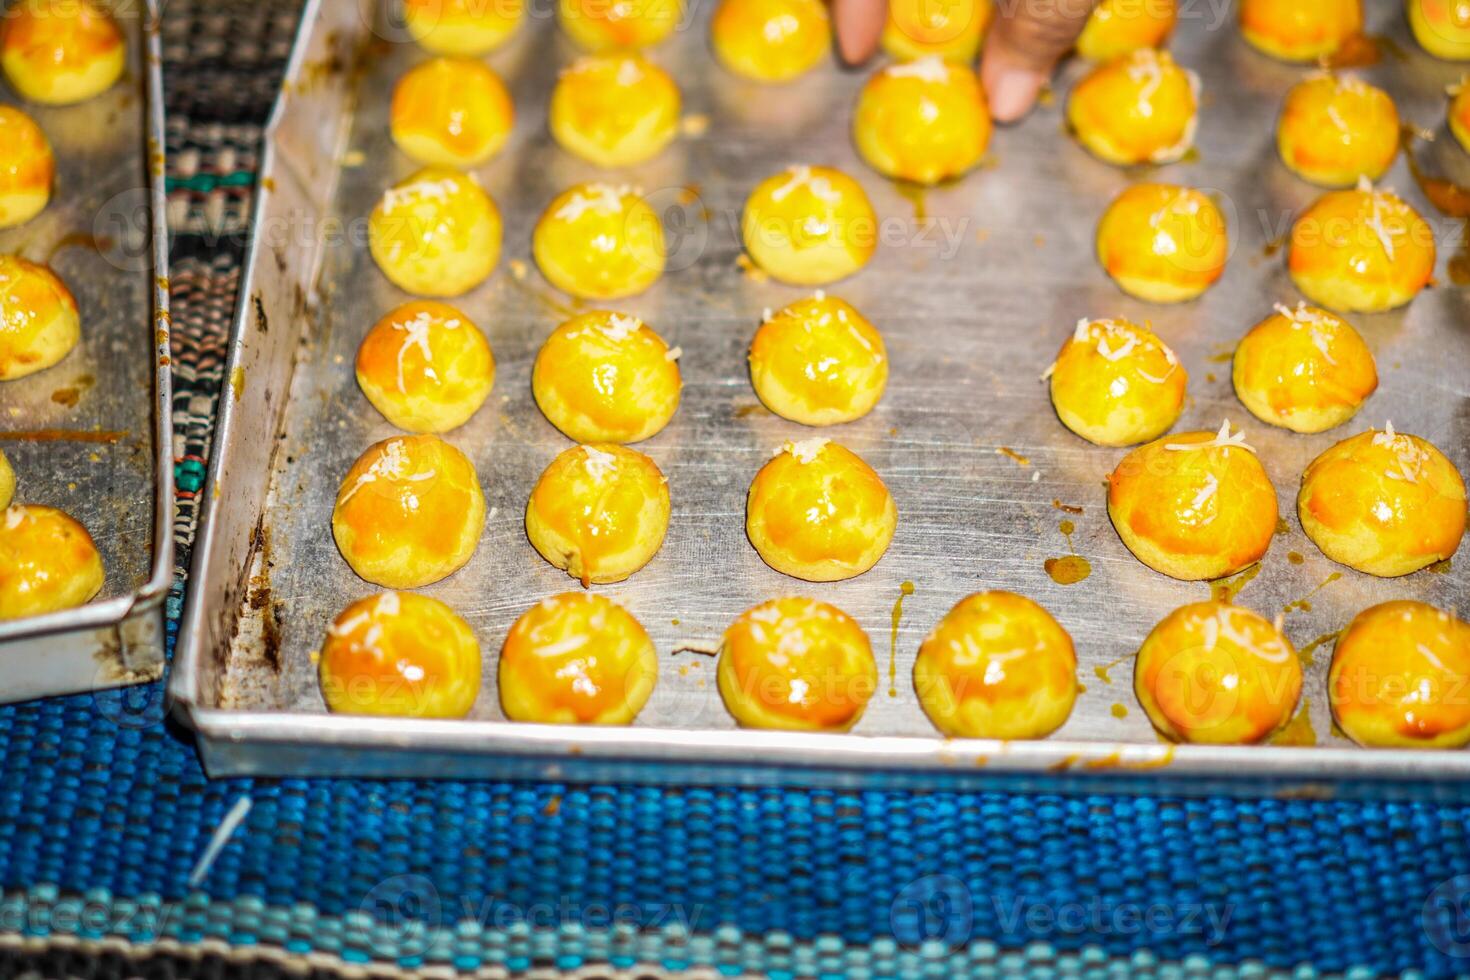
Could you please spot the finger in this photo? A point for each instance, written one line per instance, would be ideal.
(859, 25)
(1024, 46)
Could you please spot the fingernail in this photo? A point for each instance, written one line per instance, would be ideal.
(850, 50)
(1013, 93)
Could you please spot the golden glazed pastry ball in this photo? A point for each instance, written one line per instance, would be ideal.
(450, 111)
(1115, 383)
(818, 362)
(1197, 505)
(770, 40)
(1163, 243)
(809, 225)
(599, 241)
(1303, 369)
(7, 482)
(1459, 114)
(1383, 502)
(39, 324)
(47, 562)
(59, 52)
(409, 512)
(796, 664)
(922, 121)
(426, 367)
(599, 513)
(1335, 129)
(436, 233)
(462, 27)
(1139, 108)
(400, 654)
(1442, 27)
(1117, 27)
(614, 109)
(1217, 674)
(606, 377)
(1363, 250)
(951, 29)
(26, 167)
(1300, 30)
(576, 659)
(1399, 675)
(816, 511)
(997, 666)
(597, 25)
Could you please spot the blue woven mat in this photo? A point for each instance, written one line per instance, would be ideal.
(105, 813)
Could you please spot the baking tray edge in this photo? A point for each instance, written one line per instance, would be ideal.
(266, 743)
(118, 641)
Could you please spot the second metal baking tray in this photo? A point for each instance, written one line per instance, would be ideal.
(974, 286)
(93, 434)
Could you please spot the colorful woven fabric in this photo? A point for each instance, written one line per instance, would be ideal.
(105, 814)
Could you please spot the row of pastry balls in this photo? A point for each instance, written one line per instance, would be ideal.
(438, 233)
(923, 121)
(998, 665)
(1364, 249)
(1116, 383)
(48, 561)
(604, 376)
(410, 512)
(770, 40)
(1199, 505)
(53, 53)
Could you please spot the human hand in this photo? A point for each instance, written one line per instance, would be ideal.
(1022, 48)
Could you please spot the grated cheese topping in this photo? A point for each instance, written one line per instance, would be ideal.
(929, 69)
(392, 464)
(439, 190)
(807, 450)
(673, 353)
(1145, 67)
(1222, 626)
(1206, 492)
(417, 331)
(629, 72)
(594, 197)
(599, 463)
(1409, 457)
(1375, 216)
(1131, 341)
(802, 176)
(620, 327)
(1224, 439)
(347, 627)
(1315, 322)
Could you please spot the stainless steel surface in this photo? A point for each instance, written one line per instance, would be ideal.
(974, 287)
(109, 400)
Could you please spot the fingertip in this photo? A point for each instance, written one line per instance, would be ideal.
(858, 25)
(1011, 91)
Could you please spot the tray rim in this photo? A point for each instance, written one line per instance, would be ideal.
(758, 756)
(149, 595)
(182, 674)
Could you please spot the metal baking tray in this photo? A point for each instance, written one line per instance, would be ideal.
(93, 435)
(975, 287)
